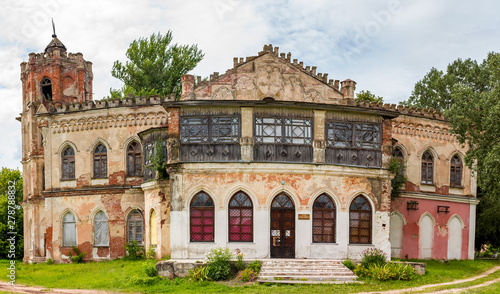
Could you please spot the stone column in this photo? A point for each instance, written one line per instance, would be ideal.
(319, 144)
(246, 140)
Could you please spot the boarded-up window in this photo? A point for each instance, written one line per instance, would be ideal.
(240, 218)
(68, 164)
(134, 160)
(69, 230)
(202, 218)
(153, 228)
(360, 221)
(324, 220)
(100, 162)
(427, 168)
(101, 236)
(456, 172)
(135, 224)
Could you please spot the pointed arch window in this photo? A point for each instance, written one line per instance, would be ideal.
(68, 164)
(360, 221)
(427, 168)
(101, 235)
(100, 162)
(202, 218)
(456, 168)
(69, 230)
(324, 220)
(135, 224)
(134, 160)
(240, 218)
(153, 228)
(46, 89)
(398, 154)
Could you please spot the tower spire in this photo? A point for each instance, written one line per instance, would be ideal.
(53, 29)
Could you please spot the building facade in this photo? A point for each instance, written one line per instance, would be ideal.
(271, 158)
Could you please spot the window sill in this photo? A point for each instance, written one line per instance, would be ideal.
(324, 243)
(427, 187)
(67, 180)
(67, 183)
(100, 246)
(99, 181)
(358, 244)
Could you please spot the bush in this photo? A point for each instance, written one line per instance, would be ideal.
(151, 254)
(78, 255)
(361, 271)
(198, 274)
(50, 261)
(240, 264)
(150, 269)
(218, 267)
(389, 271)
(134, 250)
(348, 264)
(255, 266)
(247, 275)
(373, 256)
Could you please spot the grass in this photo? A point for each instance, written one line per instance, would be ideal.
(117, 275)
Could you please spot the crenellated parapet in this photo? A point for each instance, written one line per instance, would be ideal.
(430, 113)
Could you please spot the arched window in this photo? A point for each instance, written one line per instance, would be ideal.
(427, 168)
(456, 172)
(134, 160)
(69, 230)
(135, 224)
(46, 89)
(360, 221)
(202, 218)
(398, 154)
(240, 218)
(101, 235)
(68, 164)
(100, 162)
(324, 220)
(153, 228)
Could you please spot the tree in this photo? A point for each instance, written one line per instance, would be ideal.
(11, 213)
(368, 96)
(435, 89)
(155, 66)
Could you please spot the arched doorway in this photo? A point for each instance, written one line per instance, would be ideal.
(426, 240)
(396, 235)
(282, 227)
(455, 238)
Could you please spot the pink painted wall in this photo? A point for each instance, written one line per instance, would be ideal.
(440, 243)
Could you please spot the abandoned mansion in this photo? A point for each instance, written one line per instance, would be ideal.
(270, 157)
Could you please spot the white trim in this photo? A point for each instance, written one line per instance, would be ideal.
(472, 230)
(454, 199)
(320, 192)
(235, 189)
(426, 214)
(275, 192)
(399, 214)
(459, 218)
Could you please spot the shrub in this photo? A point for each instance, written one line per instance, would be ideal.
(373, 256)
(198, 274)
(78, 255)
(389, 271)
(361, 271)
(151, 254)
(134, 250)
(240, 264)
(50, 261)
(247, 275)
(348, 264)
(255, 266)
(150, 269)
(218, 267)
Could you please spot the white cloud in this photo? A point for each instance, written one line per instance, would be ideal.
(383, 53)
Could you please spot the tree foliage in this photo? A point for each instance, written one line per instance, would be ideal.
(11, 183)
(155, 66)
(365, 95)
(436, 88)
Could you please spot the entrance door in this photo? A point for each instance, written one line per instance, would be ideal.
(282, 227)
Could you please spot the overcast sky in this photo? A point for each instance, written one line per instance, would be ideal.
(385, 46)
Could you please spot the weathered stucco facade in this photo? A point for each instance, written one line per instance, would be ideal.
(271, 158)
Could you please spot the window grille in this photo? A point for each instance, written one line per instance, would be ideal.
(360, 221)
(358, 135)
(324, 220)
(210, 129)
(293, 131)
(202, 218)
(240, 218)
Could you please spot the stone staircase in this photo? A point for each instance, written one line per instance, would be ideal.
(305, 271)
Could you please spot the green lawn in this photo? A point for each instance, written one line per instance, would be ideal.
(116, 276)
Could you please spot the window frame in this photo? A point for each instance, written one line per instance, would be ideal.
(135, 222)
(283, 133)
(46, 83)
(136, 154)
(427, 164)
(241, 208)
(65, 232)
(106, 221)
(359, 213)
(68, 164)
(100, 157)
(456, 172)
(210, 127)
(353, 134)
(202, 208)
(322, 210)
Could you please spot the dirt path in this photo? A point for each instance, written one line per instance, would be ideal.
(29, 290)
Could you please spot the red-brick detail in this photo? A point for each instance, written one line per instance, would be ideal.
(387, 137)
(173, 122)
(102, 251)
(117, 247)
(83, 192)
(48, 240)
(410, 187)
(87, 248)
(443, 190)
(117, 178)
(83, 181)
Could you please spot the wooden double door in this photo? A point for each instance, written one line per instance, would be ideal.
(282, 227)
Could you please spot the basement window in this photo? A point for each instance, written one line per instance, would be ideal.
(46, 86)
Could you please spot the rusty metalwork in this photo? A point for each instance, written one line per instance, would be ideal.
(282, 227)
(360, 221)
(324, 220)
(443, 208)
(411, 205)
(240, 218)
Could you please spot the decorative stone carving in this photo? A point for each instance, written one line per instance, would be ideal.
(269, 81)
(223, 93)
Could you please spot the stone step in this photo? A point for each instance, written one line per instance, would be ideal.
(328, 267)
(307, 273)
(272, 279)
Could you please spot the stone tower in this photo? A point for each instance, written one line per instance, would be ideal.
(49, 79)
